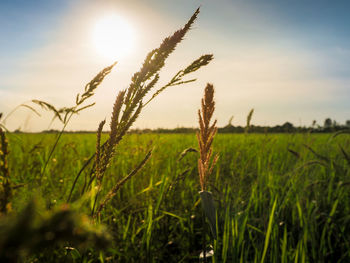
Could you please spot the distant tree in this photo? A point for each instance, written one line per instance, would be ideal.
(327, 123)
(347, 123)
(287, 127)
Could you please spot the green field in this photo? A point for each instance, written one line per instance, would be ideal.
(279, 197)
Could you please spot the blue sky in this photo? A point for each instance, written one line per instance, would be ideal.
(287, 59)
(27, 24)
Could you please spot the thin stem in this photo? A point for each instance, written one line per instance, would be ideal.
(204, 244)
(54, 146)
(78, 175)
(95, 201)
(11, 112)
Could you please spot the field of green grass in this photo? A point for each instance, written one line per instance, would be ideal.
(279, 197)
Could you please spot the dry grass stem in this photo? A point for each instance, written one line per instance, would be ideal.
(98, 149)
(115, 189)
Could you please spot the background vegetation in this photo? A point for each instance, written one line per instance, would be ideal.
(283, 197)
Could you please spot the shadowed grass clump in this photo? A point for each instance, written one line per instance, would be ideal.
(5, 181)
(36, 231)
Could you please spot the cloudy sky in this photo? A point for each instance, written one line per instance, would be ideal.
(289, 60)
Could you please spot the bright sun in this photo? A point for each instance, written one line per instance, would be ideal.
(113, 37)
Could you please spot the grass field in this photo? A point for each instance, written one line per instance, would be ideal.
(279, 197)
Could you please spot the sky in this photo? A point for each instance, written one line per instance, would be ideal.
(289, 60)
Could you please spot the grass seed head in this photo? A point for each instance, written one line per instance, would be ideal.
(206, 135)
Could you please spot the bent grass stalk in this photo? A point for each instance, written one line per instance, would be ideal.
(129, 103)
(69, 112)
(131, 99)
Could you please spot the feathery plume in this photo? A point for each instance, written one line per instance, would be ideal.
(206, 135)
(249, 118)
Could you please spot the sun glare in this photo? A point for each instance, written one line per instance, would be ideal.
(113, 37)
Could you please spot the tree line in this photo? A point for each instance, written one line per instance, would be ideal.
(329, 125)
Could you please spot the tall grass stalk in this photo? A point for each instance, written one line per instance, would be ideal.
(205, 137)
(249, 119)
(269, 231)
(130, 102)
